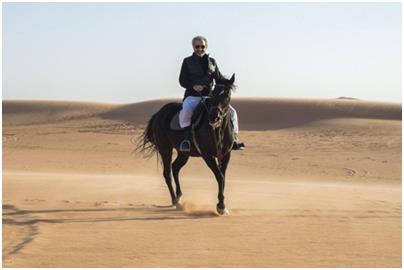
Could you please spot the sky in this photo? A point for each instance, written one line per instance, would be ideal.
(131, 52)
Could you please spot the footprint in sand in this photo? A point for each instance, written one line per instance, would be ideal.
(349, 172)
(100, 203)
(34, 200)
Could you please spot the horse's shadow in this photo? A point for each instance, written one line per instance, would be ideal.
(15, 216)
(27, 221)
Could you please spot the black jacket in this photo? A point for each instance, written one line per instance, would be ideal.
(199, 70)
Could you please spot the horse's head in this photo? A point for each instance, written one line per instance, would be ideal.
(220, 100)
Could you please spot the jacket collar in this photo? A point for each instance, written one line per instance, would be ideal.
(198, 57)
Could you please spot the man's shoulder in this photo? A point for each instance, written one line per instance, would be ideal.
(189, 57)
(187, 60)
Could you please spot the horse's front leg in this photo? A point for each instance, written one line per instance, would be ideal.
(212, 164)
(223, 166)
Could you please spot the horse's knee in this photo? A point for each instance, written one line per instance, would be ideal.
(219, 177)
(167, 176)
(175, 171)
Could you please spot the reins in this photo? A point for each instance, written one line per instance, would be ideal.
(222, 116)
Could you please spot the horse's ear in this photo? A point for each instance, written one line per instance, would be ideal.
(232, 78)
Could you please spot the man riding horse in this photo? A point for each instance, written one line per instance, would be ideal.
(213, 136)
(197, 74)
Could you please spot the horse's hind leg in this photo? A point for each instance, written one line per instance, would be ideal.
(166, 156)
(177, 165)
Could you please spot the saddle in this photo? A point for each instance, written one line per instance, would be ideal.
(195, 119)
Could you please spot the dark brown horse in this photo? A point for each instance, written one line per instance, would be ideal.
(212, 140)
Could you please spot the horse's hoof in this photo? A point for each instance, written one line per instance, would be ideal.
(179, 200)
(222, 212)
(178, 206)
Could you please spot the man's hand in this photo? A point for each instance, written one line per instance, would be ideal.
(198, 88)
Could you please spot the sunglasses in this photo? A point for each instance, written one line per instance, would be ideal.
(200, 46)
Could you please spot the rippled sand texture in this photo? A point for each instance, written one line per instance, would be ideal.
(319, 185)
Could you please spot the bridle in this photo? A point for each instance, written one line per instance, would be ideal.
(222, 113)
(221, 116)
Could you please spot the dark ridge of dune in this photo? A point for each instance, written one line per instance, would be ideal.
(136, 113)
(31, 112)
(348, 98)
(51, 106)
(253, 113)
(268, 114)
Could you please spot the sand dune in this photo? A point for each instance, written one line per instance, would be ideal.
(318, 186)
(255, 114)
(21, 112)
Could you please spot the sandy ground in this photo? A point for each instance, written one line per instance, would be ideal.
(318, 186)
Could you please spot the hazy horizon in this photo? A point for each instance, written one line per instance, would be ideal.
(132, 52)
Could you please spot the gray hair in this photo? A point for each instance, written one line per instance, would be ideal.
(201, 38)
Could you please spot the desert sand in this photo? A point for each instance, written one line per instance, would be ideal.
(319, 185)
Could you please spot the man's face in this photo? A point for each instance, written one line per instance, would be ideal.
(200, 47)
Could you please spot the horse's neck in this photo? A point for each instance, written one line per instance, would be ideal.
(226, 123)
(224, 127)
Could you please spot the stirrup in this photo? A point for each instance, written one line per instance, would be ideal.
(185, 146)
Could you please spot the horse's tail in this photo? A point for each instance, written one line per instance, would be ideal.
(154, 137)
(146, 143)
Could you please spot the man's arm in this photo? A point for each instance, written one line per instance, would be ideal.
(184, 77)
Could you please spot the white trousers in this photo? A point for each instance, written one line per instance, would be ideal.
(188, 106)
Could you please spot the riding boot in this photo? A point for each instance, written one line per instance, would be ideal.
(185, 145)
(237, 145)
